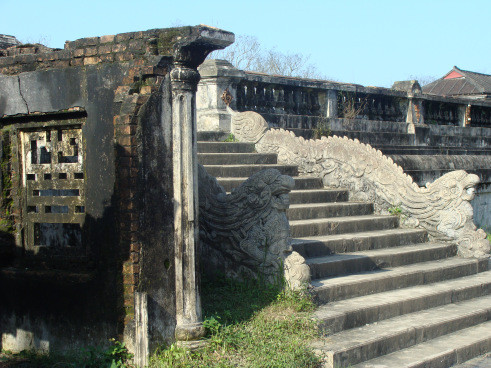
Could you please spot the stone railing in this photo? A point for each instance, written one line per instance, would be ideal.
(246, 233)
(442, 207)
(287, 102)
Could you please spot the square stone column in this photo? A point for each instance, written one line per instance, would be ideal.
(216, 76)
(188, 54)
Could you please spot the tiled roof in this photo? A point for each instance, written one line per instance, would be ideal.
(470, 83)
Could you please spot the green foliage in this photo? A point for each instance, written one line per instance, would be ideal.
(231, 138)
(249, 324)
(118, 355)
(322, 129)
(395, 210)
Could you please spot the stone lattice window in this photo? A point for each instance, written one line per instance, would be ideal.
(53, 182)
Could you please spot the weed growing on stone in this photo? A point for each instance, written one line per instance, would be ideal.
(250, 324)
(322, 129)
(231, 138)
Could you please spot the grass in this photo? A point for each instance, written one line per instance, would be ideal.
(252, 325)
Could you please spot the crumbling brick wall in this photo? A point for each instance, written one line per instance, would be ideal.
(111, 88)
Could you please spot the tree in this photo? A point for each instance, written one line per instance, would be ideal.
(423, 80)
(246, 54)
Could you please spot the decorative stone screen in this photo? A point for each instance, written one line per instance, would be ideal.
(53, 183)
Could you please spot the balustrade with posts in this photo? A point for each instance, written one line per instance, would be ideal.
(299, 103)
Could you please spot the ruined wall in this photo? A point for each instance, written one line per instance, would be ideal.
(80, 127)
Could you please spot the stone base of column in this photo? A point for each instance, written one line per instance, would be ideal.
(190, 331)
(189, 335)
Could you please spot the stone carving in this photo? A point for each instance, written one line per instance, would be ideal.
(442, 207)
(246, 233)
(247, 126)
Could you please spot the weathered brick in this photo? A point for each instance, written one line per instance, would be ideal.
(107, 58)
(135, 44)
(146, 90)
(123, 56)
(127, 162)
(90, 51)
(135, 247)
(134, 257)
(129, 289)
(127, 140)
(119, 47)
(105, 49)
(61, 63)
(91, 60)
(126, 129)
(106, 39)
(128, 151)
(77, 62)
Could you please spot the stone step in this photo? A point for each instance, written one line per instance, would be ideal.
(442, 352)
(460, 141)
(303, 211)
(212, 135)
(354, 242)
(481, 361)
(356, 312)
(340, 225)
(247, 170)
(374, 340)
(377, 281)
(236, 158)
(301, 182)
(225, 147)
(318, 196)
(356, 262)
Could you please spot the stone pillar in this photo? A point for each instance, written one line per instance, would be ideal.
(216, 76)
(184, 80)
(415, 114)
(332, 104)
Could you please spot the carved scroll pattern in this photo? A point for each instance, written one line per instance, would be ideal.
(442, 207)
(246, 233)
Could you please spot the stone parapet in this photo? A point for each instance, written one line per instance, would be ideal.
(281, 98)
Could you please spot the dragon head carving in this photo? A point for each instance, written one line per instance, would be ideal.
(246, 232)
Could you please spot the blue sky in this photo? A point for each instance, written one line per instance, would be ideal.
(367, 42)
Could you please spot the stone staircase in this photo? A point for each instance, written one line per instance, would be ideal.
(387, 296)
